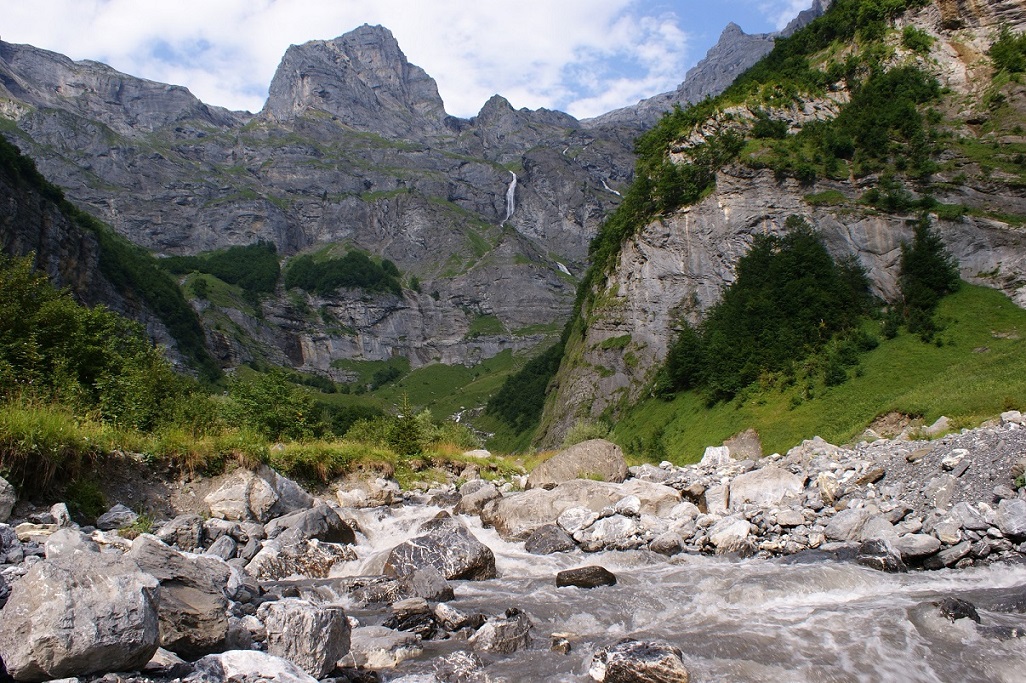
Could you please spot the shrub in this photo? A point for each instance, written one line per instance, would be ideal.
(273, 406)
(1009, 51)
(927, 272)
(354, 270)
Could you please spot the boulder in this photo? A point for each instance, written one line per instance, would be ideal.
(730, 535)
(880, 554)
(460, 667)
(118, 517)
(75, 616)
(8, 498)
(716, 456)
(428, 583)
(615, 532)
(184, 532)
(517, 516)
(591, 576)
(744, 446)
(225, 547)
(549, 539)
(313, 637)
(291, 555)
(448, 546)
(471, 502)
(193, 607)
(847, 525)
(68, 543)
(369, 493)
(505, 634)
(913, 547)
(320, 522)
(631, 661)
(257, 496)
(1011, 518)
(377, 647)
(595, 459)
(714, 499)
(949, 556)
(413, 615)
(765, 487)
(247, 666)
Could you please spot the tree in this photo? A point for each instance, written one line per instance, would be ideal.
(927, 273)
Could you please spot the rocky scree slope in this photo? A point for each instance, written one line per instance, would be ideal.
(675, 266)
(353, 149)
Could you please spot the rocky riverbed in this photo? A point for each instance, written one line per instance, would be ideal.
(889, 560)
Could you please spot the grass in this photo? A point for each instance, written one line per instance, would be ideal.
(977, 371)
(484, 326)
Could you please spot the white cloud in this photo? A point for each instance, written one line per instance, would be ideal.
(581, 56)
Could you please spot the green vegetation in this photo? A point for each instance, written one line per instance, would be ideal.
(1009, 51)
(519, 402)
(928, 273)
(129, 268)
(254, 268)
(484, 326)
(977, 371)
(354, 270)
(790, 299)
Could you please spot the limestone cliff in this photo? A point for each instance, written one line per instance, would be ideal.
(677, 265)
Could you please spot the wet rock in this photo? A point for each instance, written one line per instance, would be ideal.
(594, 459)
(118, 517)
(414, 616)
(631, 661)
(948, 557)
(74, 616)
(247, 666)
(764, 487)
(286, 556)
(586, 577)
(612, 533)
(881, 555)
(378, 647)
(313, 637)
(193, 606)
(956, 608)
(549, 539)
(448, 546)
(472, 502)
(369, 493)
(426, 582)
(320, 522)
(503, 635)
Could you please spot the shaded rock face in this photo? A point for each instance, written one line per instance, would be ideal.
(595, 459)
(448, 546)
(586, 577)
(310, 636)
(90, 613)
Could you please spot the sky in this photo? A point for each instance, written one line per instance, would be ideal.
(584, 57)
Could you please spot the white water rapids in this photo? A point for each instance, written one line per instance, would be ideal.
(748, 620)
(511, 193)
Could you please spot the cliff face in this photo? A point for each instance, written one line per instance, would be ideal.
(676, 267)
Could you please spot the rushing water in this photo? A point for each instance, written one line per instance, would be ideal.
(750, 620)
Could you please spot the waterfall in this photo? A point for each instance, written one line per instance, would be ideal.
(510, 197)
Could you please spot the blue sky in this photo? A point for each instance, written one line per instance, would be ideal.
(585, 57)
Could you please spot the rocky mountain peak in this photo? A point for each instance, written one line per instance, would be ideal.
(362, 78)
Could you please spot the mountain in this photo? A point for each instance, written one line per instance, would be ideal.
(763, 152)
(488, 220)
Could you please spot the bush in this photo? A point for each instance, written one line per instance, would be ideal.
(1009, 51)
(273, 406)
(254, 268)
(354, 270)
(916, 39)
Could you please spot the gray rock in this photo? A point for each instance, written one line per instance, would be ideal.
(549, 539)
(184, 532)
(460, 667)
(8, 497)
(427, 583)
(1011, 518)
(369, 493)
(631, 661)
(74, 616)
(615, 532)
(193, 606)
(448, 546)
(68, 543)
(948, 557)
(765, 487)
(377, 647)
(503, 635)
(225, 548)
(914, 547)
(575, 519)
(744, 446)
(313, 637)
(471, 502)
(880, 554)
(731, 535)
(847, 525)
(320, 522)
(283, 557)
(247, 666)
(586, 577)
(596, 459)
(716, 456)
(257, 496)
(117, 517)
